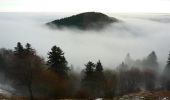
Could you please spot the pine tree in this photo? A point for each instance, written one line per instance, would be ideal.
(89, 71)
(151, 62)
(99, 76)
(99, 79)
(93, 80)
(57, 61)
(168, 62)
(166, 72)
(99, 67)
(2, 63)
(128, 60)
(165, 78)
(25, 64)
(123, 67)
(19, 50)
(88, 81)
(89, 68)
(29, 50)
(152, 58)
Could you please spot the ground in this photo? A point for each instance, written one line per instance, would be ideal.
(146, 95)
(143, 95)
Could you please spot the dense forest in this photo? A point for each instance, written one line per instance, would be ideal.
(84, 21)
(32, 76)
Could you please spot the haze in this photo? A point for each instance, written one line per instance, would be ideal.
(119, 6)
(135, 34)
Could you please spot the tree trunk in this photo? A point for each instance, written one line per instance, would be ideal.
(30, 92)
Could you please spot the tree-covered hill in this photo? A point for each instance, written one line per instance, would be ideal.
(84, 21)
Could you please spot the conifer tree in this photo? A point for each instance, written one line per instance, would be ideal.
(57, 61)
(166, 75)
(19, 50)
(88, 81)
(2, 63)
(151, 62)
(99, 75)
(167, 67)
(29, 50)
(99, 67)
(99, 79)
(152, 59)
(89, 68)
(168, 63)
(24, 65)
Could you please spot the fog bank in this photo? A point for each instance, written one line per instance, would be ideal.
(135, 34)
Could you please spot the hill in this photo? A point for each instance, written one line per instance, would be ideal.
(84, 21)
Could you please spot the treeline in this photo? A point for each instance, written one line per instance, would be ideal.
(30, 75)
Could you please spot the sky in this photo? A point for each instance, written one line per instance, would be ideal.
(109, 6)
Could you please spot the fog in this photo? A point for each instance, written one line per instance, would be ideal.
(134, 34)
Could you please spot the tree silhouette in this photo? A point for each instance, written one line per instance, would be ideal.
(166, 74)
(168, 64)
(99, 67)
(19, 50)
(29, 50)
(89, 68)
(57, 61)
(25, 63)
(123, 67)
(99, 79)
(151, 62)
(88, 82)
(2, 63)
(93, 80)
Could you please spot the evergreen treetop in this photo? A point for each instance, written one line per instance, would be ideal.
(57, 61)
(99, 67)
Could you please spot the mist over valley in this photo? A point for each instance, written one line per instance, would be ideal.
(134, 34)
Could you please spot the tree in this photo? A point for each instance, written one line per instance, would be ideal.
(167, 67)
(149, 79)
(6, 56)
(2, 63)
(166, 74)
(99, 79)
(89, 70)
(93, 80)
(29, 50)
(151, 62)
(129, 81)
(128, 60)
(88, 81)
(24, 66)
(19, 50)
(168, 62)
(110, 83)
(123, 67)
(57, 61)
(99, 67)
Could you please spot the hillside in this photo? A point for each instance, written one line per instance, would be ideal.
(84, 21)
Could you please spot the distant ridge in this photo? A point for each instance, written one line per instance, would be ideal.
(84, 21)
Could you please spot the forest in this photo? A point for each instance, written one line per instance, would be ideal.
(35, 77)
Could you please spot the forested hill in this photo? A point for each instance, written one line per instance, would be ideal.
(84, 21)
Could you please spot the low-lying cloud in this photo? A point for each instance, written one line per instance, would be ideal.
(137, 35)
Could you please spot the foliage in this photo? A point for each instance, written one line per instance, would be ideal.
(88, 20)
(57, 61)
(30, 76)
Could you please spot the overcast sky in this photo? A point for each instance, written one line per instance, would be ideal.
(111, 6)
